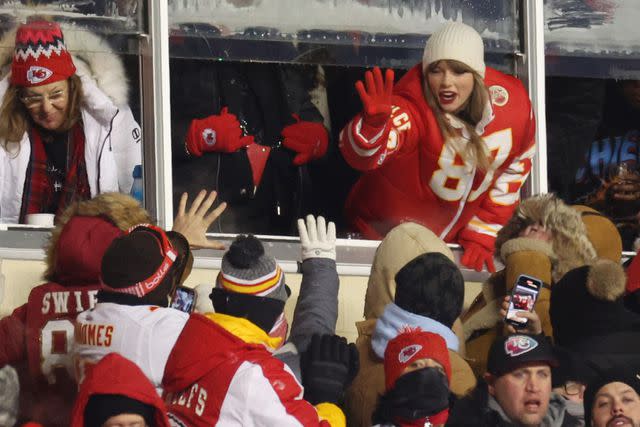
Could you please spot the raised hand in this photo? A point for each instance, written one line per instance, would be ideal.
(318, 239)
(376, 97)
(194, 222)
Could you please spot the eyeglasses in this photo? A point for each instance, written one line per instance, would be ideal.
(56, 98)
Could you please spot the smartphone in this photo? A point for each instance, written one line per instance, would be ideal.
(184, 299)
(523, 298)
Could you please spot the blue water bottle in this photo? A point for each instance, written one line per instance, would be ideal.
(137, 191)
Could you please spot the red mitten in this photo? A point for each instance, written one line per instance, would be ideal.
(376, 97)
(219, 132)
(476, 256)
(308, 139)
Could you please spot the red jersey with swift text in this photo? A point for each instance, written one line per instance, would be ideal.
(412, 174)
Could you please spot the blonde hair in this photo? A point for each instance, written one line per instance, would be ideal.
(15, 119)
(475, 151)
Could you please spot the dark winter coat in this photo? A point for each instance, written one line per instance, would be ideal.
(263, 96)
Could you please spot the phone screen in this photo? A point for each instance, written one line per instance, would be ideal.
(523, 298)
(184, 299)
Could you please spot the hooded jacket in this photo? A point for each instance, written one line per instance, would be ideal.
(580, 235)
(480, 409)
(112, 136)
(237, 381)
(117, 375)
(402, 244)
(74, 253)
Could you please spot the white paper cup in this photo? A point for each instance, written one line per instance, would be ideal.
(40, 219)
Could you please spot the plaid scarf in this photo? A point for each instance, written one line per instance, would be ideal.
(38, 193)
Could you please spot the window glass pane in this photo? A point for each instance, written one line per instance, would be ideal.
(74, 130)
(261, 62)
(266, 60)
(593, 106)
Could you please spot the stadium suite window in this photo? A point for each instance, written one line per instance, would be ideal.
(593, 107)
(263, 61)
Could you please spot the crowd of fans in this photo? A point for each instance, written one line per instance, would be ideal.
(100, 344)
(114, 338)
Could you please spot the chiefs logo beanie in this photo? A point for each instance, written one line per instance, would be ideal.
(40, 56)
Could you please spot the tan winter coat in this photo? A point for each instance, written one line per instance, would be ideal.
(580, 235)
(401, 245)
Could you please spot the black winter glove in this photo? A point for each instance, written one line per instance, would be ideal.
(328, 367)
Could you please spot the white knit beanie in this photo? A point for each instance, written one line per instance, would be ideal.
(456, 41)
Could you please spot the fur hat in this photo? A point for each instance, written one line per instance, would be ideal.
(570, 240)
(410, 346)
(456, 41)
(587, 302)
(9, 394)
(41, 56)
(246, 269)
(431, 285)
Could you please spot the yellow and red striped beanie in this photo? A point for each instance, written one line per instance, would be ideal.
(246, 269)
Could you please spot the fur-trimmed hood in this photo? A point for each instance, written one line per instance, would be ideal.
(92, 56)
(571, 246)
(120, 210)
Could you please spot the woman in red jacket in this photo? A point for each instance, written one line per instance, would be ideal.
(448, 147)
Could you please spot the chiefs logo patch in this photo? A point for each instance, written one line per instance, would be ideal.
(36, 74)
(408, 352)
(209, 137)
(499, 95)
(517, 345)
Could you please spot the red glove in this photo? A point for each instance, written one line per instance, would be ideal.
(220, 133)
(308, 139)
(376, 98)
(476, 256)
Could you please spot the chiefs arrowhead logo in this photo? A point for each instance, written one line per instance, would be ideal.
(408, 352)
(517, 345)
(36, 74)
(499, 95)
(209, 136)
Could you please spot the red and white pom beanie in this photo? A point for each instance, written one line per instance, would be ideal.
(412, 345)
(40, 55)
(455, 41)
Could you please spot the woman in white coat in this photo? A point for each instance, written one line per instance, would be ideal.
(66, 132)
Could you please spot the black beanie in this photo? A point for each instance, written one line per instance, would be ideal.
(587, 302)
(431, 285)
(131, 258)
(627, 375)
(101, 407)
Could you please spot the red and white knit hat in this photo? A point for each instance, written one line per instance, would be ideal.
(40, 56)
(412, 345)
(456, 41)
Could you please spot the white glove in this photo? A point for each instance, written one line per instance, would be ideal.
(317, 240)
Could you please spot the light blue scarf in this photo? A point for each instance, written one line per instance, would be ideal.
(394, 319)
